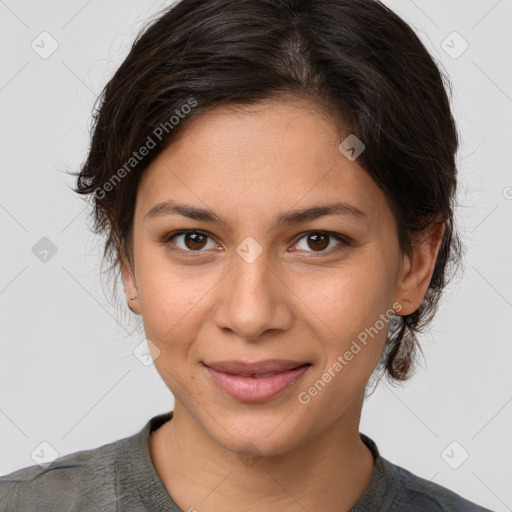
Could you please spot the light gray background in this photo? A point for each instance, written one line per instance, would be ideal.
(68, 374)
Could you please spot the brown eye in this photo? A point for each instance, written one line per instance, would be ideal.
(190, 241)
(318, 241)
(195, 240)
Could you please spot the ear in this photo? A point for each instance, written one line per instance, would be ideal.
(130, 285)
(416, 270)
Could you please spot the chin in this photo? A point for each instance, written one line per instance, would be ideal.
(255, 437)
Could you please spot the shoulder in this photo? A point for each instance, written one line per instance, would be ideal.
(414, 493)
(83, 480)
(395, 489)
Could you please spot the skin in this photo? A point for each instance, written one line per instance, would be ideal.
(294, 301)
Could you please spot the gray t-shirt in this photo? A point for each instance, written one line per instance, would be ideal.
(121, 477)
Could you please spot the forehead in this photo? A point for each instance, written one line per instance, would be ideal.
(266, 157)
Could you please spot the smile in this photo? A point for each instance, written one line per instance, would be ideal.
(256, 382)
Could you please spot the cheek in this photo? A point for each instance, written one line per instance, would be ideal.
(350, 298)
(171, 307)
(163, 280)
(351, 319)
(171, 296)
(172, 316)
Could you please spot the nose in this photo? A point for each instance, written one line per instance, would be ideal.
(253, 299)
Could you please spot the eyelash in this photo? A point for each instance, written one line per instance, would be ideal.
(344, 241)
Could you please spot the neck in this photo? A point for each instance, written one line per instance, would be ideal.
(327, 472)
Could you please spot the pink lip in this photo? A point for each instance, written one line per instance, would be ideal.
(242, 386)
(246, 369)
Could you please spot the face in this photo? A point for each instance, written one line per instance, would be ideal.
(249, 284)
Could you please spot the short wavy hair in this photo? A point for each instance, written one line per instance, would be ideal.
(355, 59)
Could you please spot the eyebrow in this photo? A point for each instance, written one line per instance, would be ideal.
(171, 207)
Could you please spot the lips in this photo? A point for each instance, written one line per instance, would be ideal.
(256, 382)
(260, 369)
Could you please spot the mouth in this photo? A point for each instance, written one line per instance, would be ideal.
(256, 382)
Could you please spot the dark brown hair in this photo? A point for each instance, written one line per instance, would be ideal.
(354, 58)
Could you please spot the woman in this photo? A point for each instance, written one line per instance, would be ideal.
(274, 192)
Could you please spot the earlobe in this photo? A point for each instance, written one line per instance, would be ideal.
(417, 268)
(130, 286)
